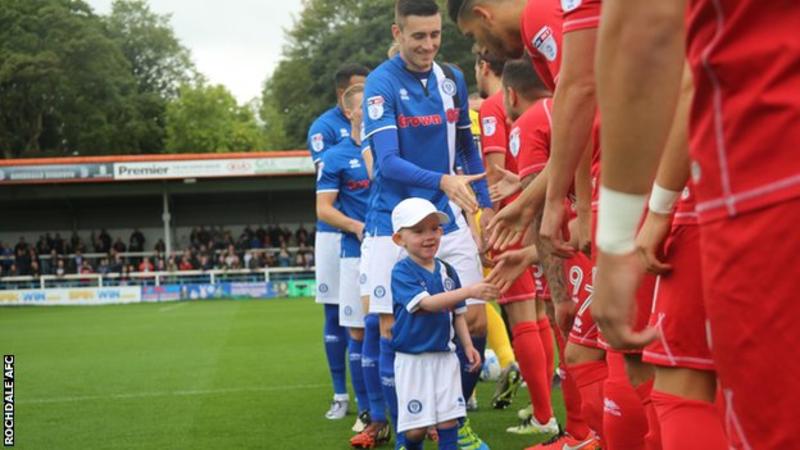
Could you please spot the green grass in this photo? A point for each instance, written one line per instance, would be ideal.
(208, 374)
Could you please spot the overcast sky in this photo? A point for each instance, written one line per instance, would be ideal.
(236, 43)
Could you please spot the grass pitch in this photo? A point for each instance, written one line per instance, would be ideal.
(223, 374)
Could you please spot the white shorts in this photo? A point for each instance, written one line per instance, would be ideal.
(363, 267)
(457, 249)
(384, 255)
(327, 247)
(351, 313)
(428, 389)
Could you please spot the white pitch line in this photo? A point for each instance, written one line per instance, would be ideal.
(189, 392)
(171, 307)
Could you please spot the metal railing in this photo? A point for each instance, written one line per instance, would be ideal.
(157, 278)
(153, 254)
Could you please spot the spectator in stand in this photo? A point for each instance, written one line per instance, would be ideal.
(7, 254)
(274, 234)
(172, 265)
(231, 258)
(160, 247)
(299, 260)
(77, 261)
(186, 263)
(308, 260)
(61, 268)
(86, 267)
(205, 263)
(35, 272)
(136, 241)
(21, 245)
(48, 265)
(104, 267)
(270, 260)
(58, 244)
(42, 248)
(284, 259)
(261, 235)
(23, 259)
(146, 265)
(12, 271)
(301, 235)
(117, 263)
(119, 246)
(104, 237)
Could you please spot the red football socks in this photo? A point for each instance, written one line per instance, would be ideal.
(530, 355)
(624, 420)
(589, 379)
(688, 424)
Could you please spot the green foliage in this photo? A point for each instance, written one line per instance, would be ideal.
(327, 34)
(206, 118)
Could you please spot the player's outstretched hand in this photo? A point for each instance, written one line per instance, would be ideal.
(458, 189)
(614, 300)
(506, 186)
(510, 265)
(484, 291)
(510, 224)
(550, 235)
(650, 241)
(474, 358)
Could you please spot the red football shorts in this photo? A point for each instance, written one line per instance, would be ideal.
(678, 310)
(542, 290)
(751, 287)
(580, 277)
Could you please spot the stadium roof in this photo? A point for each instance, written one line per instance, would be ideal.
(109, 169)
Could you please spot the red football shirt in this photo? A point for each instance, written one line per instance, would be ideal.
(685, 210)
(540, 26)
(529, 139)
(494, 130)
(745, 117)
(580, 14)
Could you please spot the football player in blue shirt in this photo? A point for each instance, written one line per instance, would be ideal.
(417, 121)
(342, 193)
(328, 130)
(429, 307)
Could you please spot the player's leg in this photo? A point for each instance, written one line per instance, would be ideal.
(684, 392)
(351, 315)
(326, 257)
(750, 274)
(528, 348)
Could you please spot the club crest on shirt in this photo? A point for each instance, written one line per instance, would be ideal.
(489, 125)
(513, 142)
(569, 5)
(449, 284)
(375, 107)
(545, 43)
(449, 87)
(317, 142)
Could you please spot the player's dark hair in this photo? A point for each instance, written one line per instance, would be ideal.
(520, 75)
(455, 8)
(495, 64)
(347, 71)
(422, 8)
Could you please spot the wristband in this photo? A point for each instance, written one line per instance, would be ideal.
(618, 218)
(662, 201)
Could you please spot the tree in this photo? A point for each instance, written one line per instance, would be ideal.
(325, 35)
(64, 85)
(206, 118)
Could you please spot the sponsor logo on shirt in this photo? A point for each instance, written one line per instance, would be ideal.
(418, 121)
(343, 132)
(453, 114)
(545, 43)
(375, 107)
(354, 185)
(489, 125)
(355, 163)
(317, 142)
(570, 5)
(513, 142)
(404, 94)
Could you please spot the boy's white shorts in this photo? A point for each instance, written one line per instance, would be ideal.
(351, 313)
(428, 389)
(327, 248)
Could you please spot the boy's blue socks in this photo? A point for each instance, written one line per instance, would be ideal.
(448, 438)
(336, 349)
(370, 357)
(387, 381)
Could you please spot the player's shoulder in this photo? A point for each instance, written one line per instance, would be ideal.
(539, 114)
(323, 121)
(493, 106)
(382, 74)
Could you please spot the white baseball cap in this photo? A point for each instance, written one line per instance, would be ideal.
(412, 211)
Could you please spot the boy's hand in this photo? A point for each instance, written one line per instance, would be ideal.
(484, 291)
(473, 357)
